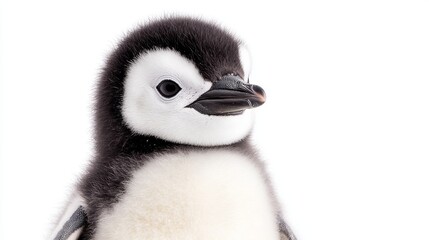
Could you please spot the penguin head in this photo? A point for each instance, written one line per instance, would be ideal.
(181, 80)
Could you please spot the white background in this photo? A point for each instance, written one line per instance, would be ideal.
(345, 130)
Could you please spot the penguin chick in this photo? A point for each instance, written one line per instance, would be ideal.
(174, 110)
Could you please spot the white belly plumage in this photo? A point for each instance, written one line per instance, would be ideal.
(214, 195)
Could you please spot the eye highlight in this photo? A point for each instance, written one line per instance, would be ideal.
(168, 88)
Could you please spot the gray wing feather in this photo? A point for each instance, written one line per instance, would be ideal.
(285, 231)
(76, 221)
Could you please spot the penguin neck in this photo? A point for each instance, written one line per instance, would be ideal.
(123, 142)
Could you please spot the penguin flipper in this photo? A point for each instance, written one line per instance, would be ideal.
(285, 231)
(72, 221)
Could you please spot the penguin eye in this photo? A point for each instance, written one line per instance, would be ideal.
(168, 88)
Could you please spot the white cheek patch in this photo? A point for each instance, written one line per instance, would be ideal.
(146, 112)
(246, 61)
(209, 195)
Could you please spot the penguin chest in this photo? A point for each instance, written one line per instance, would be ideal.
(218, 194)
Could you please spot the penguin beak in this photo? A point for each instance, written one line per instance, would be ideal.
(229, 96)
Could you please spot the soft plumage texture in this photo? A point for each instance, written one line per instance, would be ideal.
(215, 194)
(120, 151)
(106, 182)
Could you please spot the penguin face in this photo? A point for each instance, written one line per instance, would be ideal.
(166, 96)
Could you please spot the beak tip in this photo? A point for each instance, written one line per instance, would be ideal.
(262, 99)
(260, 93)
